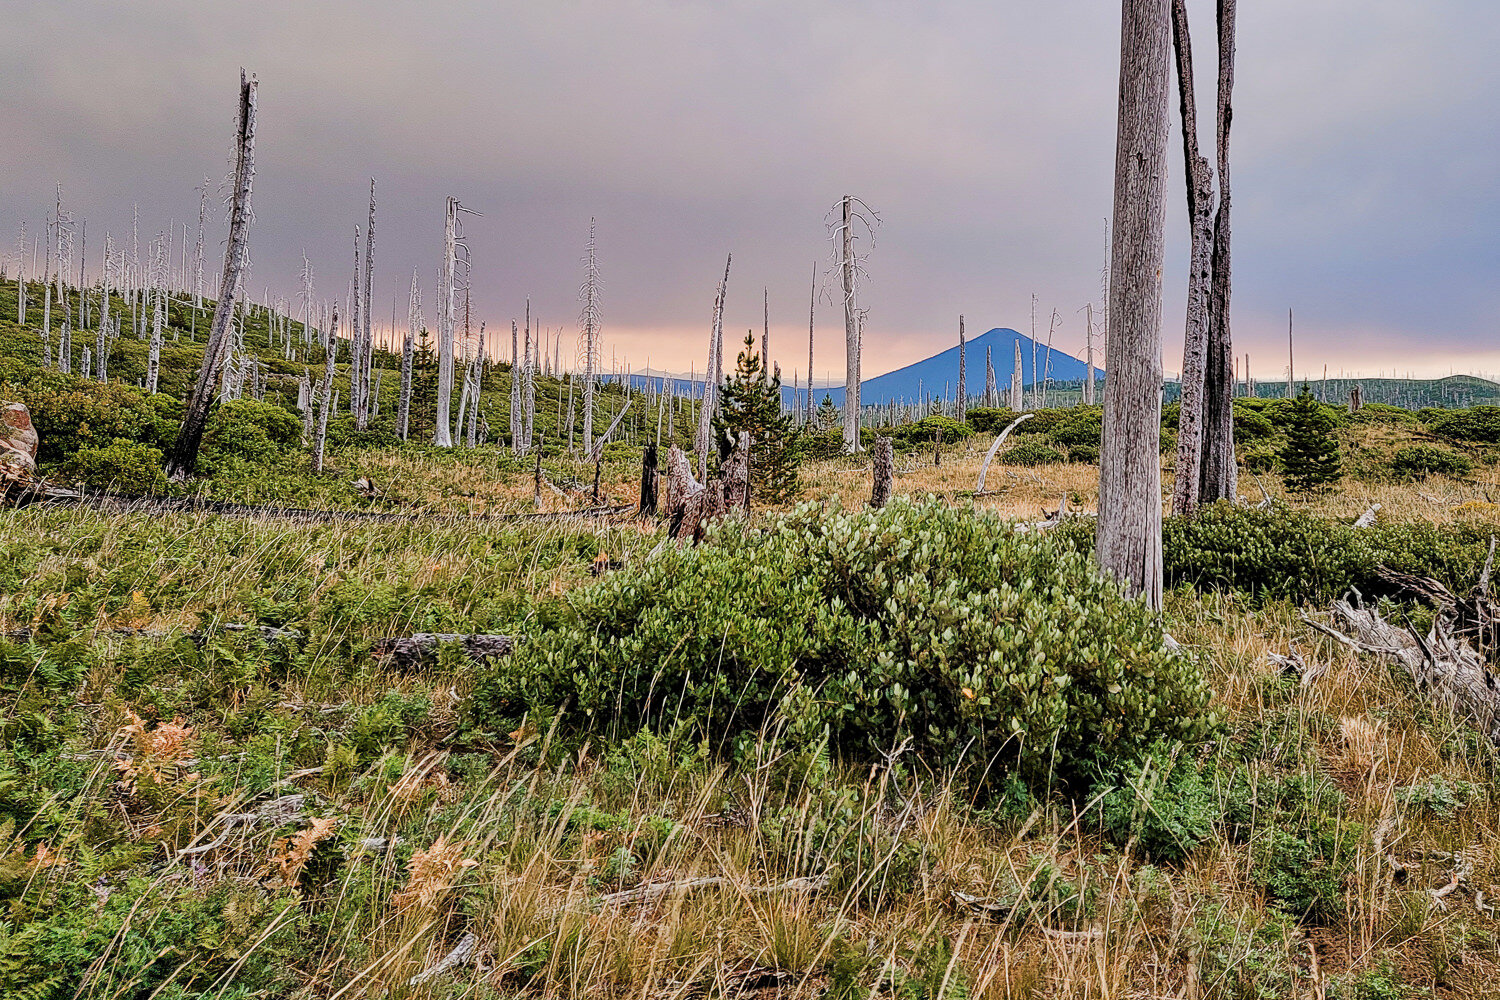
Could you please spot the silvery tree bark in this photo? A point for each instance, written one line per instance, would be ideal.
(356, 346)
(47, 309)
(517, 446)
(706, 409)
(1017, 382)
(1088, 384)
(184, 452)
(765, 341)
(408, 355)
(198, 250)
(1219, 480)
(851, 327)
(327, 398)
(472, 434)
(812, 304)
(1200, 194)
(962, 413)
(366, 335)
(1129, 529)
(153, 364)
(591, 323)
(442, 435)
(305, 404)
(528, 402)
(991, 391)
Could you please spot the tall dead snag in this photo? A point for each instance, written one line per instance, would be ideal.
(735, 475)
(963, 375)
(883, 472)
(1016, 383)
(365, 356)
(812, 305)
(183, 455)
(648, 481)
(991, 393)
(442, 435)
(1200, 197)
(1220, 474)
(703, 441)
(326, 397)
(408, 352)
(843, 240)
(1129, 530)
(591, 322)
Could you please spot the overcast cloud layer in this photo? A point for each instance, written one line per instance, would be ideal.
(1366, 159)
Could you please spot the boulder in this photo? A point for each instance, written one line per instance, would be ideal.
(16, 430)
(18, 444)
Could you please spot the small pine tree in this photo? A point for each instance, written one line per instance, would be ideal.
(828, 414)
(750, 402)
(1310, 458)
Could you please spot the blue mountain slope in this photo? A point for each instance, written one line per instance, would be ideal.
(931, 376)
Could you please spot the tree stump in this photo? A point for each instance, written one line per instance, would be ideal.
(884, 472)
(648, 482)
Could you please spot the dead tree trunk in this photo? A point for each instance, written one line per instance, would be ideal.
(851, 329)
(736, 475)
(704, 440)
(962, 413)
(1129, 529)
(366, 334)
(991, 392)
(1016, 383)
(590, 337)
(648, 481)
(989, 456)
(812, 304)
(325, 395)
(442, 435)
(183, 455)
(883, 472)
(1220, 474)
(1200, 193)
(408, 355)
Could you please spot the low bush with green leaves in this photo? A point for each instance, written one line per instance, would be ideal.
(1031, 452)
(866, 628)
(120, 467)
(1477, 423)
(1418, 461)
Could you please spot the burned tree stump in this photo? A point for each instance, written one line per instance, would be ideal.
(648, 482)
(883, 472)
(736, 475)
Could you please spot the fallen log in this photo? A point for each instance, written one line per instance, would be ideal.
(412, 650)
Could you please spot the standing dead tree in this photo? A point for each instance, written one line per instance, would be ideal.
(408, 356)
(1129, 528)
(883, 472)
(365, 356)
(326, 398)
(1016, 385)
(991, 392)
(703, 441)
(849, 264)
(184, 451)
(1219, 476)
(454, 269)
(591, 320)
(812, 305)
(963, 372)
(1200, 205)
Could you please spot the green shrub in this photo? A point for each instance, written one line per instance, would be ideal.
(1258, 460)
(1478, 423)
(1310, 461)
(1296, 555)
(244, 428)
(920, 434)
(1418, 461)
(1031, 453)
(1380, 413)
(70, 413)
(1085, 453)
(120, 467)
(1163, 803)
(1250, 425)
(1084, 426)
(989, 419)
(865, 628)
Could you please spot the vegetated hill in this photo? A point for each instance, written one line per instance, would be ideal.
(1450, 392)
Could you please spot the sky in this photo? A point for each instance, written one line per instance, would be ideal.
(1365, 161)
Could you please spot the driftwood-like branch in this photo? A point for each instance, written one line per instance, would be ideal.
(658, 891)
(1367, 519)
(990, 455)
(462, 954)
(411, 651)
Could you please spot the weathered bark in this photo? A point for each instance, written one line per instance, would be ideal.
(442, 435)
(851, 329)
(1200, 193)
(153, 360)
(962, 413)
(648, 481)
(1220, 473)
(356, 328)
(703, 442)
(883, 473)
(812, 304)
(366, 334)
(411, 651)
(325, 394)
(736, 475)
(1088, 384)
(408, 356)
(1016, 382)
(183, 455)
(937, 446)
(591, 337)
(991, 391)
(989, 456)
(1129, 528)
